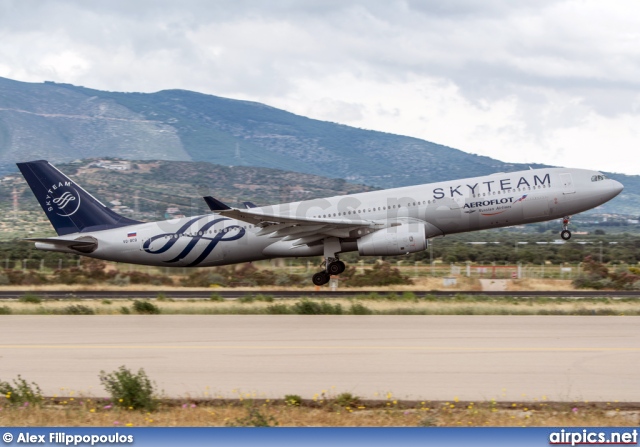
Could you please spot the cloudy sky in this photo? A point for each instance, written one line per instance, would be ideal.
(545, 81)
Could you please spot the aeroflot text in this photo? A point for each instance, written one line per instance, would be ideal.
(486, 203)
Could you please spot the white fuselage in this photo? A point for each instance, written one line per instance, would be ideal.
(455, 206)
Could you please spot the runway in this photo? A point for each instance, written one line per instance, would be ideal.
(473, 358)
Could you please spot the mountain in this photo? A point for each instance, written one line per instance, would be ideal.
(62, 122)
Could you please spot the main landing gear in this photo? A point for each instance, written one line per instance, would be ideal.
(565, 233)
(333, 265)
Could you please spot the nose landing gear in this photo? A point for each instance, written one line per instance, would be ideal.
(565, 233)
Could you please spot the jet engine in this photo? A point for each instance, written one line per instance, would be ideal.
(393, 241)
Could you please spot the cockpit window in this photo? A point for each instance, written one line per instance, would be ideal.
(598, 178)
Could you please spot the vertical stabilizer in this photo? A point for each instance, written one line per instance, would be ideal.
(70, 208)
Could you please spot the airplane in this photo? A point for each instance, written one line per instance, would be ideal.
(388, 222)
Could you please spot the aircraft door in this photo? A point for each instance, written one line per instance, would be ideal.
(535, 207)
(567, 183)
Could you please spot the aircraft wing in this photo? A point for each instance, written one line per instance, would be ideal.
(304, 229)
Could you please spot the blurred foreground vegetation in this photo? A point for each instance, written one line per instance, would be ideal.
(133, 400)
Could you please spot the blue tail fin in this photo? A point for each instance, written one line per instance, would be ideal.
(69, 207)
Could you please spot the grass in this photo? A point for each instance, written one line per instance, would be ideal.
(80, 411)
(373, 304)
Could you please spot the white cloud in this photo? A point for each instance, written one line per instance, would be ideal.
(554, 82)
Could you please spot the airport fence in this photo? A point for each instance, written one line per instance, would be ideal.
(409, 269)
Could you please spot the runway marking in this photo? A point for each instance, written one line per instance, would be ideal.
(344, 348)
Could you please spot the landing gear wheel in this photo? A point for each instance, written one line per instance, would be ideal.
(336, 267)
(565, 234)
(321, 278)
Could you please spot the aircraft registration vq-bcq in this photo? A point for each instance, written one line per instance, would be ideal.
(380, 223)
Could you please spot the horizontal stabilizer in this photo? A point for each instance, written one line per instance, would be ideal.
(83, 245)
(248, 205)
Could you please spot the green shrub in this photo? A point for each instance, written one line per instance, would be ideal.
(254, 418)
(107, 302)
(246, 299)
(382, 274)
(22, 278)
(5, 310)
(308, 307)
(409, 296)
(346, 400)
(216, 297)
(278, 309)
(264, 298)
(145, 307)
(360, 309)
(205, 278)
(128, 390)
(120, 280)
(21, 392)
(77, 309)
(293, 400)
(428, 421)
(30, 298)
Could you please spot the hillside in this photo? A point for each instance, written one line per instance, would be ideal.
(155, 190)
(62, 122)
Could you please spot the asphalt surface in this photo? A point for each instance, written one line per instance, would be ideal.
(473, 358)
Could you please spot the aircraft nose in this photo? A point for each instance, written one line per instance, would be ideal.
(617, 187)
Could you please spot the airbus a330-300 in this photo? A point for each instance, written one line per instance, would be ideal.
(388, 222)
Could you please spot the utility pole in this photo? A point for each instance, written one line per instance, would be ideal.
(600, 252)
(15, 203)
(431, 255)
(136, 204)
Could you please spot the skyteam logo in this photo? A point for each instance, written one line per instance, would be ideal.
(198, 241)
(63, 199)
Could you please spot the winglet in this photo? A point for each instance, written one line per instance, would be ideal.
(249, 205)
(215, 205)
